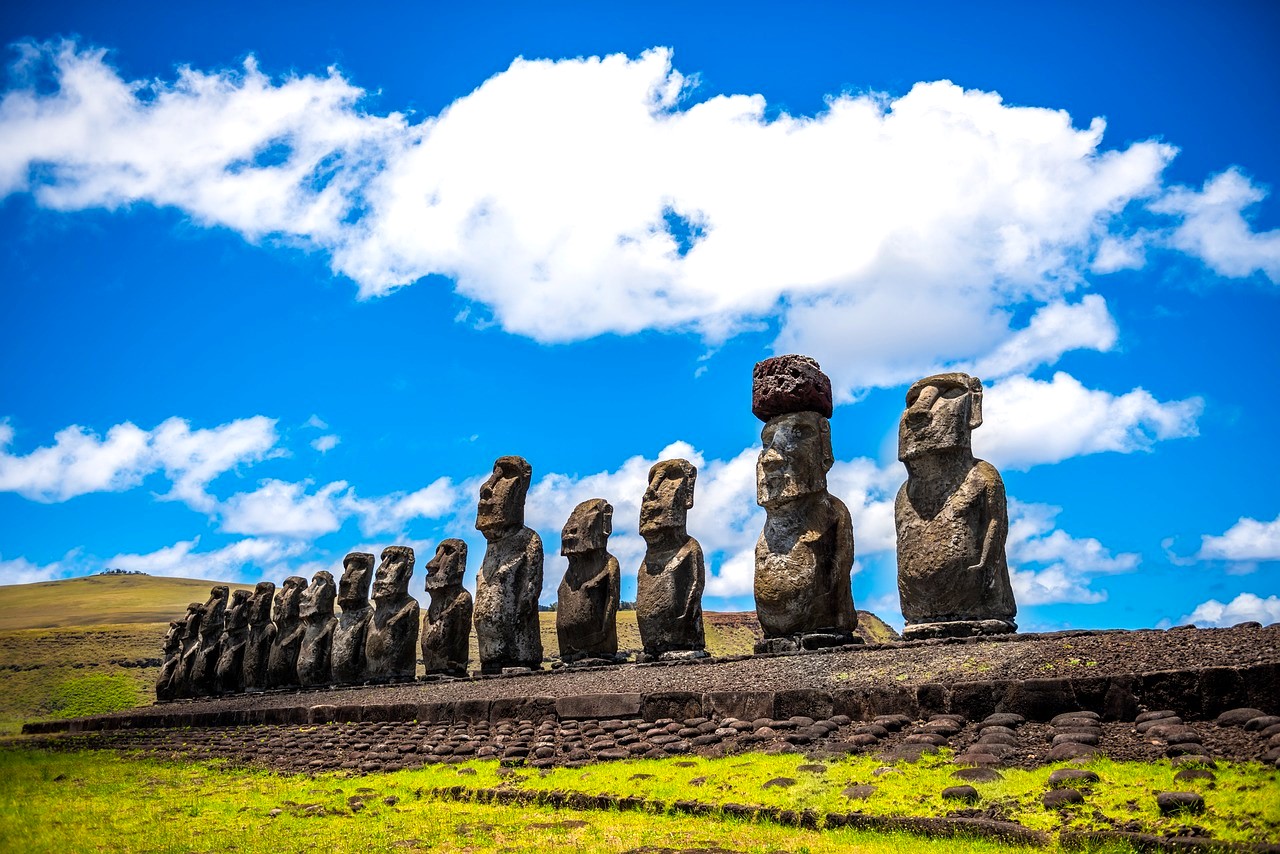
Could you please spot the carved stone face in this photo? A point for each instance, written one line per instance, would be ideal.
(289, 599)
(392, 579)
(357, 573)
(795, 459)
(317, 600)
(502, 496)
(260, 604)
(667, 501)
(173, 637)
(238, 611)
(941, 413)
(588, 528)
(447, 567)
(191, 623)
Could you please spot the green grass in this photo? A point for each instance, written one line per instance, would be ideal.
(73, 802)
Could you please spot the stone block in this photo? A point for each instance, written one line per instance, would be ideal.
(1038, 699)
(1262, 682)
(1120, 703)
(809, 702)
(848, 701)
(1091, 691)
(468, 710)
(744, 705)
(679, 705)
(892, 700)
(974, 700)
(522, 708)
(349, 714)
(932, 698)
(1173, 689)
(322, 714)
(1221, 688)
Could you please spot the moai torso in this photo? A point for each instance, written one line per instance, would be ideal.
(282, 663)
(672, 576)
(352, 629)
(204, 674)
(951, 516)
(171, 666)
(510, 578)
(231, 648)
(190, 650)
(587, 600)
(260, 636)
(391, 646)
(446, 628)
(314, 655)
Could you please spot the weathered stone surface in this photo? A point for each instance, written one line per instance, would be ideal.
(790, 383)
(510, 578)
(204, 672)
(672, 575)
(231, 646)
(167, 683)
(587, 604)
(1170, 803)
(352, 630)
(446, 628)
(391, 645)
(804, 556)
(598, 706)
(261, 635)
(951, 516)
(315, 657)
(1059, 798)
(1238, 717)
(282, 664)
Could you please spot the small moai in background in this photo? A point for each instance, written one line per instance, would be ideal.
(804, 556)
(587, 603)
(673, 573)
(261, 636)
(951, 517)
(231, 647)
(190, 649)
(509, 582)
(446, 627)
(391, 645)
(171, 664)
(282, 664)
(314, 655)
(352, 629)
(204, 673)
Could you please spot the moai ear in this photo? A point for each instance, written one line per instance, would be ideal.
(975, 403)
(607, 521)
(828, 455)
(691, 478)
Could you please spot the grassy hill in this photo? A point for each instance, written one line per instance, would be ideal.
(88, 645)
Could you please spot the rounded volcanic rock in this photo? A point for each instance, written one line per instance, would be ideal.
(790, 383)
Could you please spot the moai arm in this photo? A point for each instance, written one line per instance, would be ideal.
(691, 562)
(611, 578)
(532, 574)
(994, 519)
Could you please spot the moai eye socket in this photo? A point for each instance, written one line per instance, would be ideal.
(953, 392)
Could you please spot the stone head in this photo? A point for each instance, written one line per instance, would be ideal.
(260, 604)
(795, 458)
(237, 616)
(667, 501)
(317, 600)
(288, 602)
(357, 574)
(191, 622)
(215, 609)
(392, 579)
(501, 506)
(942, 411)
(446, 568)
(173, 637)
(588, 528)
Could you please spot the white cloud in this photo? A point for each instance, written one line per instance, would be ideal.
(80, 462)
(228, 563)
(910, 228)
(1246, 540)
(286, 509)
(391, 513)
(1069, 564)
(326, 443)
(19, 570)
(1243, 608)
(1028, 422)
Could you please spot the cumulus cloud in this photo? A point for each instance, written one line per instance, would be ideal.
(80, 462)
(181, 560)
(1067, 564)
(1028, 422)
(1246, 540)
(1243, 608)
(570, 198)
(19, 570)
(389, 514)
(326, 443)
(281, 508)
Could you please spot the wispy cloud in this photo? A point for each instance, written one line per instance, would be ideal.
(1247, 541)
(1243, 608)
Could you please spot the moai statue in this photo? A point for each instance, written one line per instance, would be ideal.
(510, 578)
(190, 649)
(446, 629)
(171, 666)
(352, 630)
(391, 646)
(587, 609)
(672, 575)
(261, 636)
(204, 674)
(314, 656)
(282, 663)
(232, 645)
(951, 517)
(804, 557)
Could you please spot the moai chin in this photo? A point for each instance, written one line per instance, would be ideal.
(673, 574)
(587, 606)
(231, 647)
(352, 629)
(190, 649)
(510, 578)
(204, 673)
(391, 645)
(951, 517)
(804, 556)
(282, 663)
(446, 628)
(171, 665)
(316, 611)
(261, 635)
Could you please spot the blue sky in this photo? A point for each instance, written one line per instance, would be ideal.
(282, 283)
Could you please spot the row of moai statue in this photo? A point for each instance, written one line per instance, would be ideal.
(953, 579)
